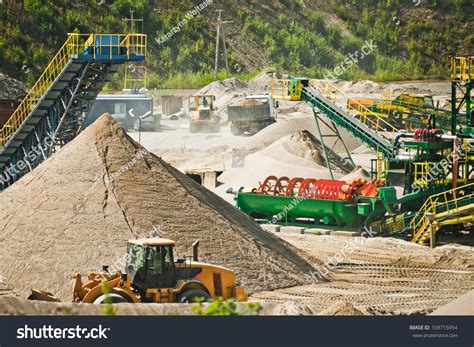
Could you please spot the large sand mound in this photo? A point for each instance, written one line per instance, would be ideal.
(71, 215)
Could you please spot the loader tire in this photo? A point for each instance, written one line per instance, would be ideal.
(114, 298)
(190, 296)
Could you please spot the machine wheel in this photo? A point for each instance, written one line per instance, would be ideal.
(115, 298)
(192, 295)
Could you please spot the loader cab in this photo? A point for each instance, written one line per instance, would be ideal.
(201, 102)
(150, 264)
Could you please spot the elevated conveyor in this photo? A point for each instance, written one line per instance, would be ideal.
(52, 113)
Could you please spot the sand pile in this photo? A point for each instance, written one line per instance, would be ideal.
(76, 211)
(261, 84)
(290, 125)
(10, 88)
(294, 155)
(341, 308)
(226, 92)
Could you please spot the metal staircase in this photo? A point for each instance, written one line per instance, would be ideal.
(451, 207)
(52, 113)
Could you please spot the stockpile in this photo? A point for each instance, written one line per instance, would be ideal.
(76, 211)
(10, 88)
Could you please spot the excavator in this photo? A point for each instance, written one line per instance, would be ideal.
(152, 276)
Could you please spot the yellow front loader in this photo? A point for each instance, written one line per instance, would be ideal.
(152, 275)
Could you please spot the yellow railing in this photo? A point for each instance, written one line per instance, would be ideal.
(462, 68)
(52, 71)
(286, 89)
(369, 118)
(108, 45)
(424, 170)
(75, 44)
(382, 167)
(449, 199)
(135, 76)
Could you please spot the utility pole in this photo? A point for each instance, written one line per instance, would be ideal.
(216, 62)
(132, 21)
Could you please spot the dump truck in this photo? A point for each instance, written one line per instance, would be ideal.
(153, 276)
(202, 114)
(251, 114)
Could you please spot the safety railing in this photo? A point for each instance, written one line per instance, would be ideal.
(462, 68)
(52, 71)
(94, 44)
(286, 89)
(135, 76)
(369, 118)
(108, 45)
(448, 201)
(423, 174)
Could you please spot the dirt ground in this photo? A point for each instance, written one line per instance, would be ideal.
(379, 276)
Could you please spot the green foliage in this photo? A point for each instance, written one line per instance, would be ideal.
(108, 309)
(308, 40)
(221, 307)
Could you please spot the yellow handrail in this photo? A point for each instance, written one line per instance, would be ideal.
(432, 204)
(51, 72)
(462, 68)
(74, 45)
(378, 125)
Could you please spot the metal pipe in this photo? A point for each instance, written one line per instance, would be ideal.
(401, 135)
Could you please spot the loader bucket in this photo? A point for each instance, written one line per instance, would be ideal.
(42, 295)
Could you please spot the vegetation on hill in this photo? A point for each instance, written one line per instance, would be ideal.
(409, 38)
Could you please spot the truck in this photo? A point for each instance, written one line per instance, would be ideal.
(251, 114)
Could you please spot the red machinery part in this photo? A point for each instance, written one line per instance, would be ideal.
(319, 189)
(428, 135)
(307, 187)
(328, 190)
(294, 185)
(281, 186)
(268, 186)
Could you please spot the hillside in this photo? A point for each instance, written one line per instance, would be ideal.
(401, 39)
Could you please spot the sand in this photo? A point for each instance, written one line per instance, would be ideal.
(379, 276)
(341, 308)
(67, 217)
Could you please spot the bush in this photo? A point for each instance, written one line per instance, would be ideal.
(221, 307)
